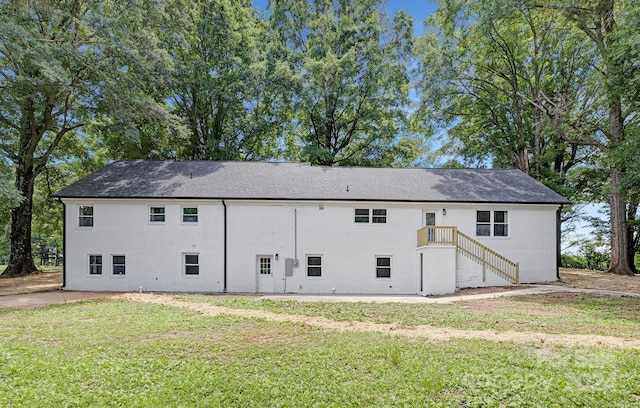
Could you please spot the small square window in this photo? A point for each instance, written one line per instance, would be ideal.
(190, 214)
(383, 267)
(156, 214)
(379, 216)
(314, 266)
(362, 215)
(95, 264)
(119, 264)
(191, 264)
(85, 216)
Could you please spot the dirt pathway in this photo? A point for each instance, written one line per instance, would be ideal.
(421, 331)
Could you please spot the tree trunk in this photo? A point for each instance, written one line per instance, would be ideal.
(620, 256)
(21, 259)
(632, 210)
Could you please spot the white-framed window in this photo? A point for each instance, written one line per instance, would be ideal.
(494, 223)
(314, 266)
(383, 266)
(85, 216)
(379, 216)
(190, 215)
(95, 264)
(264, 265)
(500, 224)
(368, 215)
(118, 264)
(156, 214)
(191, 264)
(361, 215)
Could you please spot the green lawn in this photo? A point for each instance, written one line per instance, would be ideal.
(42, 268)
(570, 313)
(117, 353)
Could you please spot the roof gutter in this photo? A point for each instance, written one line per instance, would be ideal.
(224, 287)
(64, 243)
(558, 243)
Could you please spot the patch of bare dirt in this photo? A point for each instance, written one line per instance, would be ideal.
(490, 289)
(37, 282)
(587, 279)
(422, 331)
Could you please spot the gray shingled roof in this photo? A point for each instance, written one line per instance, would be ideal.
(300, 181)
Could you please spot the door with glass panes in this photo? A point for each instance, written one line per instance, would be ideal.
(264, 274)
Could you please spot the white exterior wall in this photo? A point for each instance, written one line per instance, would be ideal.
(154, 252)
(348, 249)
(531, 241)
(437, 260)
(469, 275)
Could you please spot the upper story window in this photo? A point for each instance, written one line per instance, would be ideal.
(362, 215)
(156, 214)
(190, 214)
(85, 216)
(500, 224)
(366, 216)
(492, 224)
(379, 216)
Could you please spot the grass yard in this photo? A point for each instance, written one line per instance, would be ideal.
(568, 313)
(120, 353)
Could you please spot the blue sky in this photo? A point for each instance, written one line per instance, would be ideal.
(418, 9)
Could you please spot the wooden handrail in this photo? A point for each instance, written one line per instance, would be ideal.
(434, 235)
(480, 253)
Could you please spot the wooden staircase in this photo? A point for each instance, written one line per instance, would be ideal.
(469, 247)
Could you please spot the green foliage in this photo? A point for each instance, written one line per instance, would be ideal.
(113, 353)
(488, 72)
(220, 87)
(344, 68)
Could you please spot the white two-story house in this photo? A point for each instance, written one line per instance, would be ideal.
(201, 226)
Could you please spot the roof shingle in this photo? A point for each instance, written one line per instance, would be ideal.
(300, 181)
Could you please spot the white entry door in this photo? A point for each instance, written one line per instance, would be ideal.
(264, 274)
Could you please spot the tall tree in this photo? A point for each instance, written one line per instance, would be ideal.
(485, 66)
(65, 64)
(346, 68)
(220, 86)
(601, 22)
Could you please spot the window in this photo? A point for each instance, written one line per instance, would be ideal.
(85, 216)
(190, 214)
(366, 215)
(485, 224)
(500, 225)
(379, 216)
(265, 265)
(95, 264)
(156, 214)
(383, 267)
(314, 266)
(191, 264)
(362, 215)
(118, 263)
